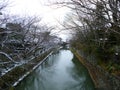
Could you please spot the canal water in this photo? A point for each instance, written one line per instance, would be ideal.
(61, 71)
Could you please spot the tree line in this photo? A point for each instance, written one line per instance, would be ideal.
(96, 27)
(22, 38)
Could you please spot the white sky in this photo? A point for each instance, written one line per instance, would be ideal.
(38, 8)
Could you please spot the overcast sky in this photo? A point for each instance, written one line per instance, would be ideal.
(37, 8)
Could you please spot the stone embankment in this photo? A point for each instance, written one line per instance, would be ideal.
(101, 78)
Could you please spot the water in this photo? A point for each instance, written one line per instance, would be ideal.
(61, 71)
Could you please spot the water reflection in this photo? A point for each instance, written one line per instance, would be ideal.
(61, 71)
(80, 74)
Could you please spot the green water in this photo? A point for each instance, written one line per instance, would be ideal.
(61, 71)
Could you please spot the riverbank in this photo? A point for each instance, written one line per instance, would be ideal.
(60, 71)
(13, 77)
(102, 79)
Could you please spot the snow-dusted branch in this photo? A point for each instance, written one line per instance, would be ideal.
(7, 56)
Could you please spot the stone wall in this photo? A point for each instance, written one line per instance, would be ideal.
(101, 78)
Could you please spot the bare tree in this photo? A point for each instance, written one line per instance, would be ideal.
(96, 25)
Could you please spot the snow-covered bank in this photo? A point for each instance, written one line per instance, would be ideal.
(17, 74)
(27, 73)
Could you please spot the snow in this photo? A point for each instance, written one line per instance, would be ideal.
(20, 79)
(9, 69)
